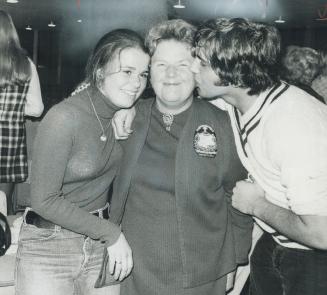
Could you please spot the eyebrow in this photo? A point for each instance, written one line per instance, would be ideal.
(132, 68)
(128, 67)
(178, 61)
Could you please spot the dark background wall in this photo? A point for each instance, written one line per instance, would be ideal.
(59, 74)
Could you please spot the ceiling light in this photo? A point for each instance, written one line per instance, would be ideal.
(28, 28)
(51, 24)
(79, 20)
(279, 20)
(179, 5)
(12, 1)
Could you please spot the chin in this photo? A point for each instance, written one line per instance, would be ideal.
(130, 102)
(171, 99)
(128, 105)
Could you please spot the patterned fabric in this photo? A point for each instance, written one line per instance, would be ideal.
(13, 150)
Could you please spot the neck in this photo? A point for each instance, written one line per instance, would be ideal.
(173, 109)
(104, 108)
(239, 98)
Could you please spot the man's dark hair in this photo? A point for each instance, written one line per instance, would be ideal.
(242, 53)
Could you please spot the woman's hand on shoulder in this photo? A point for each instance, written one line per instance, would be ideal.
(122, 123)
(120, 258)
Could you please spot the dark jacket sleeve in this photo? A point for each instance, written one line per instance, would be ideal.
(242, 223)
(131, 149)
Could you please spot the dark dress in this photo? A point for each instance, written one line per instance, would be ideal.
(150, 218)
(13, 150)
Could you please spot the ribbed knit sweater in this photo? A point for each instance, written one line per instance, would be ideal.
(72, 168)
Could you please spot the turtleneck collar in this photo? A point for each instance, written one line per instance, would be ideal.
(103, 106)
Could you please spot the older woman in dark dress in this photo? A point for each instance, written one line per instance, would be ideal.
(172, 192)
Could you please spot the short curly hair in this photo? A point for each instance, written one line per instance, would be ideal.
(301, 65)
(175, 29)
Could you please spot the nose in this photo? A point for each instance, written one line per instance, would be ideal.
(136, 81)
(195, 66)
(171, 71)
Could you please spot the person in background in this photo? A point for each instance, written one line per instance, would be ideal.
(62, 239)
(300, 66)
(20, 96)
(280, 134)
(172, 193)
(319, 84)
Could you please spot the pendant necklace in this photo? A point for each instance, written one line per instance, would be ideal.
(168, 120)
(103, 136)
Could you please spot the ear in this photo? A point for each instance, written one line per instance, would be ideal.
(99, 74)
(99, 77)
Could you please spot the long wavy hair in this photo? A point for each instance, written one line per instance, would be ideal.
(107, 49)
(14, 64)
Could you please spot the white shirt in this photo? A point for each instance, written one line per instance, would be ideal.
(283, 145)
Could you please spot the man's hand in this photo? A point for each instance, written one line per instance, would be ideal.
(120, 258)
(247, 195)
(309, 230)
(122, 122)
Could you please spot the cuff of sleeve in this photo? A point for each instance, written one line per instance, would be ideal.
(307, 195)
(112, 236)
(313, 207)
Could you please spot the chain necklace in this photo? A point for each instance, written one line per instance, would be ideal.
(103, 136)
(168, 120)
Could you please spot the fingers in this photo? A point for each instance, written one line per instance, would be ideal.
(235, 191)
(119, 132)
(241, 185)
(122, 122)
(112, 263)
(122, 268)
(127, 265)
(120, 259)
(119, 269)
(128, 122)
(230, 280)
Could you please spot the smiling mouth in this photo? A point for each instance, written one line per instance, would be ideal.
(130, 93)
(171, 84)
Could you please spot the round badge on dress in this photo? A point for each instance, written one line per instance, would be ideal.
(205, 141)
